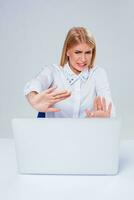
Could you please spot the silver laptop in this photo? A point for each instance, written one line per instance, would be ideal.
(67, 146)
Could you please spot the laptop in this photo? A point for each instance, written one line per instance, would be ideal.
(87, 146)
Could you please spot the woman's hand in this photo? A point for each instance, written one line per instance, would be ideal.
(44, 101)
(100, 109)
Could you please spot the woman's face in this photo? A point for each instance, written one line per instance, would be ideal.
(79, 57)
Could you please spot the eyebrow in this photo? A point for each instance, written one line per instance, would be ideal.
(81, 51)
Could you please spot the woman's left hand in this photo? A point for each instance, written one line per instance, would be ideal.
(100, 109)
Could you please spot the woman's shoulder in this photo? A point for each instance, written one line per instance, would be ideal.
(53, 67)
(98, 71)
(50, 68)
(57, 67)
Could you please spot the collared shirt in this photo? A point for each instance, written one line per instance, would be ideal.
(84, 88)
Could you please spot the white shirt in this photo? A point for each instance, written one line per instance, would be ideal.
(84, 88)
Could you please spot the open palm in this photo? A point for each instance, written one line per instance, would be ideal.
(45, 100)
(100, 109)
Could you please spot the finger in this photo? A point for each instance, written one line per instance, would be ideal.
(56, 93)
(53, 109)
(92, 114)
(86, 111)
(99, 104)
(100, 113)
(109, 109)
(104, 104)
(89, 113)
(62, 95)
(58, 100)
(51, 89)
(95, 103)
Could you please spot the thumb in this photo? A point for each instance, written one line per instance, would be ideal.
(89, 113)
(53, 109)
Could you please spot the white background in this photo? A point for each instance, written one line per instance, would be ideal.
(32, 35)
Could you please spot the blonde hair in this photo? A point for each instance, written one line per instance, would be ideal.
(75, 36)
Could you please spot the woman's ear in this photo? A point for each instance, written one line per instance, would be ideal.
(67, 53)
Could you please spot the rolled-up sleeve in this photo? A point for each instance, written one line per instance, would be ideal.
(103, 88)
(41, 82)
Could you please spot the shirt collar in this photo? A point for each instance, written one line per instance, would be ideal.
(72, 77)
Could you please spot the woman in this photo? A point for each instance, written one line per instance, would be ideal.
(77, 88)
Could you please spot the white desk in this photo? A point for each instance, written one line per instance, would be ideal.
(14, 186)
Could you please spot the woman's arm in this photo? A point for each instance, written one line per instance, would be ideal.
(103, 89)
(103, 104)
(41, 95)
(44, 101)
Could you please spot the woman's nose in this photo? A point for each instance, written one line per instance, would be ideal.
(83, 57)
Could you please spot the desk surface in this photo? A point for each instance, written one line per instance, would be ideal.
(14, 186)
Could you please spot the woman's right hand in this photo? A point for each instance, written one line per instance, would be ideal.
(44, 101)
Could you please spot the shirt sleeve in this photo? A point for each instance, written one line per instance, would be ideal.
(41, 82)
(103, 88)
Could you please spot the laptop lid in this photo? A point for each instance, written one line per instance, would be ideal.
(67, 146)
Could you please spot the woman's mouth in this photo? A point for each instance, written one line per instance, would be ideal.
(81, 64)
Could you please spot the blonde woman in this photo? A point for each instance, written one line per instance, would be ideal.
(76, 88)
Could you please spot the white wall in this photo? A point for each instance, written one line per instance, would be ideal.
(32, 35)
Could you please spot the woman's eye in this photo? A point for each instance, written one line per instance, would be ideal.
(88, 52)
(77, 52)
